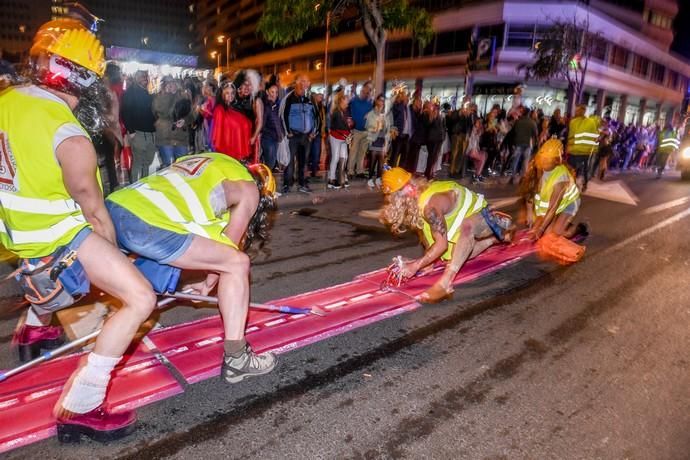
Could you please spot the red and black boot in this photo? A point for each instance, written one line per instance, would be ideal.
(30, 340)
(99, 425)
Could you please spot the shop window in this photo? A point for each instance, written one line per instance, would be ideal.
(520, 35)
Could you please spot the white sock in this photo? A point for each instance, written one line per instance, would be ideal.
(32, 319)
(89, 386)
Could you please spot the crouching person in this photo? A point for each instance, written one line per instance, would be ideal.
(201, 213)
(52, 216)
(453, 223)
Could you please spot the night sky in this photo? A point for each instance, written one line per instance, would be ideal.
(681, 44)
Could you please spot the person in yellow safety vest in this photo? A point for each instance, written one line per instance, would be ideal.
(202, 213)
(454, 224)
(668, 145)
(583, 142)
(53, 217)
(553, 196)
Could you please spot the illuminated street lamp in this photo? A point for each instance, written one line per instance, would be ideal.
(221, 39)
(214, 55)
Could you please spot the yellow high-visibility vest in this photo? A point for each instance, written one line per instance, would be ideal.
(178, 198)
(543, 198)
(583, 136)
(467, 203)
(37, 213)
(668, 142)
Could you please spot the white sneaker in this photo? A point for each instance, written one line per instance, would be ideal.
(370, 183)
(378, 182)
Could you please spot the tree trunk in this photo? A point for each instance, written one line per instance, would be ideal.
(380, 66)
(571, 97)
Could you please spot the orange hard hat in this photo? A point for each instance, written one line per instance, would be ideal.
(69, 39)
(394, 179)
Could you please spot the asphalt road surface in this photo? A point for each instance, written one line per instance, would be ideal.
(534, 361)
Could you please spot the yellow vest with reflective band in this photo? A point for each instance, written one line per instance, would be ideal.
(178, 198)
(583, 135)
(37, 214)
(668, 142)
(543, 198)
(467, 203)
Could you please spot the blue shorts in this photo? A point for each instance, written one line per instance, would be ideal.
(135, 235)
(572, 208)
(73, 278)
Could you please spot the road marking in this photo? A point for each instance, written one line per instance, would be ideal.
(613, 191)
(275, 322)
(667, 205)
(664, 223)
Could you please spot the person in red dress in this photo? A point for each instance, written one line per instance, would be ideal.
(231, 130)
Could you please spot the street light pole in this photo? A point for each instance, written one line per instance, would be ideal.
(325, 57)
(227, 53)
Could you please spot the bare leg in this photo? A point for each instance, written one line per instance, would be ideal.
(119, 278)
(562, 225)
(110, 270)
(233, 287)
(467, 246)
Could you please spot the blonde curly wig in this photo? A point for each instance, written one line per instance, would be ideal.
(401, 212)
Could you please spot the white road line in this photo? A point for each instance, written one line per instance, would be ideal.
(275, 322)
(664, 223)
(667, 205)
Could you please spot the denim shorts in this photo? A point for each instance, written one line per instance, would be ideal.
(572, 208)
(135, 235)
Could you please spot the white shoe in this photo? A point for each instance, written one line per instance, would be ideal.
(378, 182)
(370, 183)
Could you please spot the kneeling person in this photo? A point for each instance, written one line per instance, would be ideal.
(553, 197)
(200, 214)
(454, 224)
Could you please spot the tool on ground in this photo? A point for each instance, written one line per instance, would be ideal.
(48, 355)
(258, 306)
(394, 276)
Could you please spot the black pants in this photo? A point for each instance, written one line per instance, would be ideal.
(580, 164)
(412, 157)
(105, 147)
(399, 150)
(300, 145)
(433, 151)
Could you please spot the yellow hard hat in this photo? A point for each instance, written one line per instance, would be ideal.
(69, 39)
(263, 173)
(394, 179)
(553, 148)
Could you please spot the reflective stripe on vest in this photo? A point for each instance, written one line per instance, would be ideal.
(168, 208)
(572, 193)
(478, 205)
(586, 139)
(671, 142)
(47, 235)
(467, 204)
(183, 196)
(37, 205)
(37, 212)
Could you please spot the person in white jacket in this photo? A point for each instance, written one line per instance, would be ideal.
(378, 125)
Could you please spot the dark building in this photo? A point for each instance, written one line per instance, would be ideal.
(19, 20)
(157, 25)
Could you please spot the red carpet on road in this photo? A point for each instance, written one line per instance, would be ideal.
(195, 349)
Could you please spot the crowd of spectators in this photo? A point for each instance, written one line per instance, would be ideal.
(292, 130)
